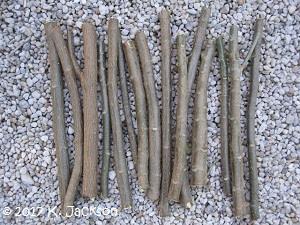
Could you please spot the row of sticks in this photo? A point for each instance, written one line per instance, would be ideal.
(151, 148)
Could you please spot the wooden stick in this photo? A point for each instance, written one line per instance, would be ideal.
(126, 104)
(132, 60)
(224, 119)
(153, 117)
(181, 123)
(119, 154)
(65, 60)
(105, 121)
(238, 183)
(186, 197)
(88, 80)
(164, 18)
(257, 38)
(63, 169)
(198, 42)
(254, 201)
(199, 143)
(90, 112)
(72, 53)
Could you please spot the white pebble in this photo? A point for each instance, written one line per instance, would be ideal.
(26, 179)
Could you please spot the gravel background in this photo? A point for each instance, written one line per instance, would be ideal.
(27, 157)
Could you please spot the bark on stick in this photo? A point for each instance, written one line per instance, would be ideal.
(72, 53)
(90, 112)
(199, 142)
(126, 103)
(135, 74)
(181, 123)
(66, 63)
(198, 42)
(254, 201)
(164, 18)
(118, 148)
(224, 118)
(63, 169)
(105, 121)
(153, 117)
(238, 183)
(186, 197)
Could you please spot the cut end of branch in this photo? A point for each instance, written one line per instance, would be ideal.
(205, 12)
(164, 12)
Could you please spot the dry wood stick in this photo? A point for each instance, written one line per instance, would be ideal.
(199, 142)
(63, 169)
(105, 121)
(186, 197)
(153, 117)
(70, 77)
(135, 74)
(72, 53)
(164, 18)
(198, 42)
(254, 202)
(257, 38)
(88, 79)
(181, 123)
(238, 183)
(90, 112)
(126, 104)
(224, 118)
(118, 148)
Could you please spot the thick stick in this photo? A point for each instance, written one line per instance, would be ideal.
(135, 74)
(186, 197)
(63, 170)
(198, 42)
(238, 183)
(63, 53)
(164, 18)
(199, 142)
(254, 201)
(119, 154)
(181, 123)
(105, 121)
(224, 118)
(90, 112)
(126, 104)
(153, 117)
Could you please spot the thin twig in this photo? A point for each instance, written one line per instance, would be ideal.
(119, 154)
(70, 77)
(125, 102)
(198, 42)
(254, 201)
(105, 121)
(181, 123)
(63, 169)
(77, 68)
(251, 50)
(238, 183)
(164, 18)
(224, 119)
(135, 74)
(199, 144)
(153, 117)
